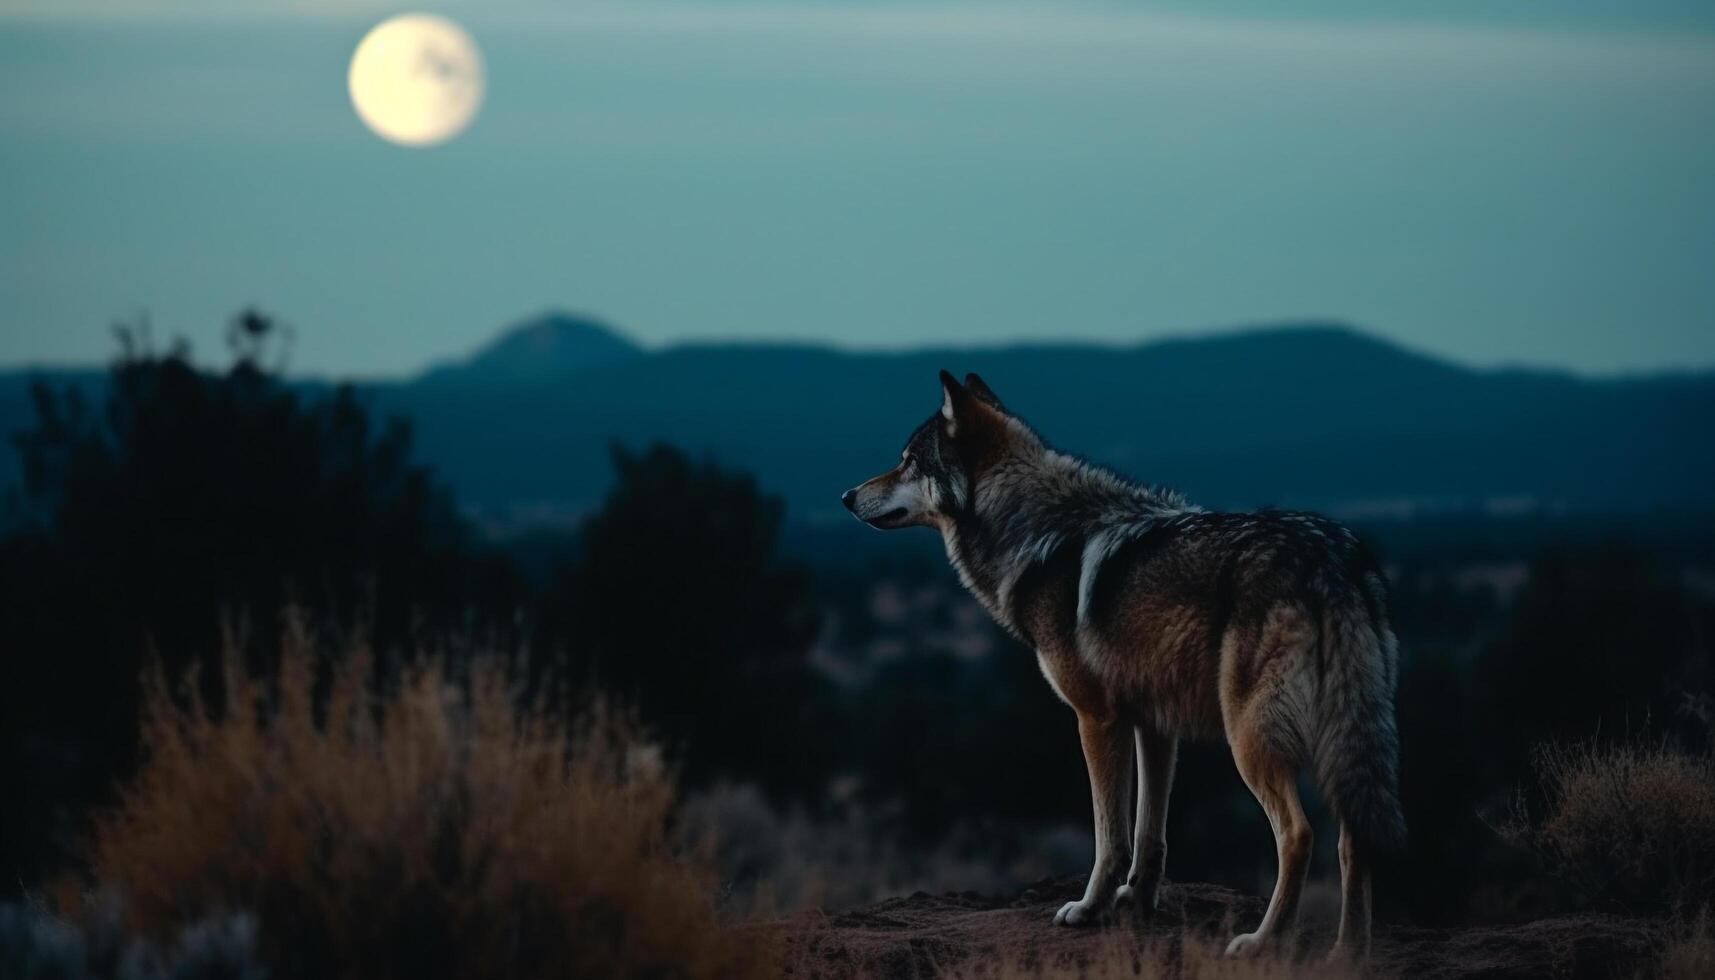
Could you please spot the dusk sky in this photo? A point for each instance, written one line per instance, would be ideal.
(1507, 182)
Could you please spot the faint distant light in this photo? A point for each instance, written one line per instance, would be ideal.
(416, 79)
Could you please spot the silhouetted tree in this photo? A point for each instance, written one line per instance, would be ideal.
(194, 496)
(1600, 640)
(678, 602)
(970, 740)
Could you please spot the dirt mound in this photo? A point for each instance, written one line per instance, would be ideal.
(924, 935)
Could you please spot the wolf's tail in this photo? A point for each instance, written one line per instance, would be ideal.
(1356, 749)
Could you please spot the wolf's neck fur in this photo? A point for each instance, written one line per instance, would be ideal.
(1032, 503)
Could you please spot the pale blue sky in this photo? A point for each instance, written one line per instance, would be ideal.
(1499, 182)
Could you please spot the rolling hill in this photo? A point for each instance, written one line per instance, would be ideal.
(1307, 414)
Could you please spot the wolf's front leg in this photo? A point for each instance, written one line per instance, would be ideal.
(1107, 754)
(1156, 755)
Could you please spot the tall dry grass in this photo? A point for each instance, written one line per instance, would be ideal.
(1628, 824)
(442, 828)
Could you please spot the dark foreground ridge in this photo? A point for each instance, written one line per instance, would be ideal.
(966, 934)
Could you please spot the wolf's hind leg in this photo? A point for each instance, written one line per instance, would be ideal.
(1107, 753)
(1270, 778)
(1156, 755)
(1354, 937)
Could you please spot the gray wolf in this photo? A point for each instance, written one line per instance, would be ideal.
(1156, 620)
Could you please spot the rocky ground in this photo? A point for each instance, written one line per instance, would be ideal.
(973, 935)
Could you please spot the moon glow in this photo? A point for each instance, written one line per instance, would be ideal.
(416, 79)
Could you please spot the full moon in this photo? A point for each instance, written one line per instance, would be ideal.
(416, 79)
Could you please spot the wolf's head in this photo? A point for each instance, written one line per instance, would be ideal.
(942, 461)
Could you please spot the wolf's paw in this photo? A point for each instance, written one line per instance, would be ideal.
(1247, 945)
(1076, 914)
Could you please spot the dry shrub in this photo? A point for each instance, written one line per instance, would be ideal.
(442, 829)
(1188, 956)
(1629, 825)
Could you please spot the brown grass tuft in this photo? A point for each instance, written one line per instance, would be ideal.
(443, 829)
(1629, 825)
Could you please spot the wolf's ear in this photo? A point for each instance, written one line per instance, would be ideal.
(962, 407)
(983, 392)
(953, 397)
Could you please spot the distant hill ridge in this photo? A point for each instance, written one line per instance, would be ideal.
(1311, 414)
(540, 348)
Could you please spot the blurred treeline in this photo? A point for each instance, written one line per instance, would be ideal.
(195, 506)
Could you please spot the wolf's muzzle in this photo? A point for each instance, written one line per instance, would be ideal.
(849, 498)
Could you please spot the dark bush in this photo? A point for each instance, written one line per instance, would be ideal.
(678, 601)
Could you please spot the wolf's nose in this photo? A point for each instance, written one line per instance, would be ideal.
(849, 498)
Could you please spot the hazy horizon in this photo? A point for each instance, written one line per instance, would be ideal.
(214, 353)
(1494, 184)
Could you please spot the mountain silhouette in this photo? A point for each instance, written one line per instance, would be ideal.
(1314, 415)
(546, 347)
